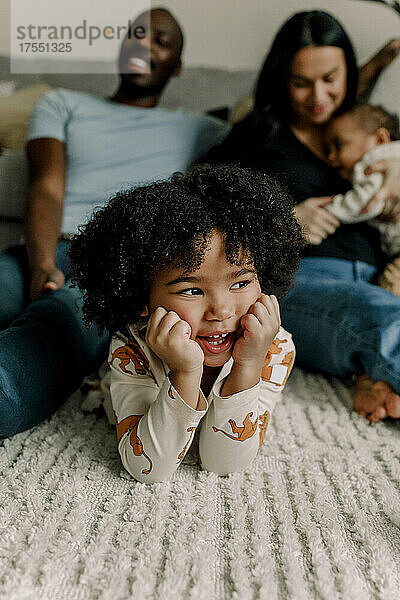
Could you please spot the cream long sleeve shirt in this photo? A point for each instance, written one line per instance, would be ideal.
(347, 207)
(155, 426)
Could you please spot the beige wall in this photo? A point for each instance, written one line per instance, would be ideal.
(4, 26)
(237, 33)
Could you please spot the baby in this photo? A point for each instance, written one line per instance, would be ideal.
(184, 274)
(363, 135)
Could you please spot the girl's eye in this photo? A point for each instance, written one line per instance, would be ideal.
(191, 292)
(239, 285)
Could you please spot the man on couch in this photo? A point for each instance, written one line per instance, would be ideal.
(81, 149)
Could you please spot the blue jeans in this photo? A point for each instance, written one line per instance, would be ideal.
(45, 347)
(341, 323)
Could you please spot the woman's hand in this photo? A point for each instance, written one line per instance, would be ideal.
(169, 337)
(260, 325)
(389, 192)
(317, 222)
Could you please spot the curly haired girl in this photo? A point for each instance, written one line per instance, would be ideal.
(184, 273)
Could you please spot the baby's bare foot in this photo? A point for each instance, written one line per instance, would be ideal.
(375, 400)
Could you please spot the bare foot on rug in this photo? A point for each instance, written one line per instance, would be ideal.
(375, 400)
(390, 278)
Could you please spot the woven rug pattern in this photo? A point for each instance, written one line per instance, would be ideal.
(317, 514)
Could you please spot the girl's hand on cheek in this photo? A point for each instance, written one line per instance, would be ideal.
(260, 325)
(169, 337)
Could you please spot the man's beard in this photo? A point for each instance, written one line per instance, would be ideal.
(130, 88)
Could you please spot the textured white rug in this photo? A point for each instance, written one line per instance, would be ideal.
(316, 516)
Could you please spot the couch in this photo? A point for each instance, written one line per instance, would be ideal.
(198, 88)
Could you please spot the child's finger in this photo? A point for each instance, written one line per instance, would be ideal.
(156, 316)
(260, 311)
(181, 328)
(267, 301)
(270, 304)
(250, 323)
(153, 322)
(276, 306)
(167, 322)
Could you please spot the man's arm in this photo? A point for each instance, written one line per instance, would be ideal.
(44, 212)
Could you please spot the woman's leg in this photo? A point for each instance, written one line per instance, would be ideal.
(342, 324)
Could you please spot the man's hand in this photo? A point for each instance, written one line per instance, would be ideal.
(46, 279)
(389, 192)
(317, 222)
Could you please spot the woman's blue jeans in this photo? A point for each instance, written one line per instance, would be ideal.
(341, 323)
(45, 347)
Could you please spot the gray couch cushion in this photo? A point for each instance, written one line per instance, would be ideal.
(197, 88)
(13, 184)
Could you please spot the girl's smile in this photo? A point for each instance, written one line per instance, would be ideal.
(216, 343)
(212, 299)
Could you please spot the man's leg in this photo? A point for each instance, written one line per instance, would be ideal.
(343, 325)
(13, 284)
(44, 355)
(15, 277)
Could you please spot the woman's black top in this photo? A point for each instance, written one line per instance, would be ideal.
(306, 176)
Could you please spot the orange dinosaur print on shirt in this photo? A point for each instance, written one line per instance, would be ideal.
(274, 349)
(181, 455)
(131, 424)
(279, 373)
(264, 420)
(131, 352)
(246, 431)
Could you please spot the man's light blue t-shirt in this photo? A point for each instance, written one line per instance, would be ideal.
(112, 146)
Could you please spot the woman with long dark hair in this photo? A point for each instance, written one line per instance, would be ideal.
(342, 324)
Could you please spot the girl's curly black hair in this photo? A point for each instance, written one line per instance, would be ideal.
(143, 230)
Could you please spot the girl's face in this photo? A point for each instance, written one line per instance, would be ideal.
(317, 84)
(211, 299)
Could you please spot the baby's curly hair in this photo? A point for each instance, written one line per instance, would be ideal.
(141, 231)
